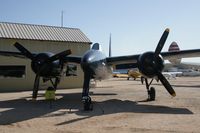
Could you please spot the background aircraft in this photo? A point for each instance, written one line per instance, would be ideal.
(96, 65)
(133, 73)
(177, 67)
(172, 75)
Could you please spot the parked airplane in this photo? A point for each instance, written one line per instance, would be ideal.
(96, 65)
(134, 73)
(172, 75)
(178, 67)
(190, 72)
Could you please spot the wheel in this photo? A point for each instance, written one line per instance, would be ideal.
(87, 104)
(142, 80)
(152, 94)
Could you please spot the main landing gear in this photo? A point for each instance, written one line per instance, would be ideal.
(36, 85)
(150, 90)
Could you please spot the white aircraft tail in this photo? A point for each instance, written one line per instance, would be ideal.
(174, 47)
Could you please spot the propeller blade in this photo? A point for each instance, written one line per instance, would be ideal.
(166, 84)
(58, 56)
(36, 86)
(53, 58)
(24, 51)
(161, 42)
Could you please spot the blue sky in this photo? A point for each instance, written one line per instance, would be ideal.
(135, 25)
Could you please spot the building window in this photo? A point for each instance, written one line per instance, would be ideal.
(71, 70)
(12, 71)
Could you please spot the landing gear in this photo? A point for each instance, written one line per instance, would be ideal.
(151, 91)
(142, 79)
(56, 82)
(86, 99)
(87, 102)
(152, 94)
(45, 79)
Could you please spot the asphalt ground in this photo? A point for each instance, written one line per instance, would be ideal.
(118, 106)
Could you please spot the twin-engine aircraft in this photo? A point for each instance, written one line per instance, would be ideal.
(96, 65)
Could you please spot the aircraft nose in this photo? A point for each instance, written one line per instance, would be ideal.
(85, 63)
(86, 60)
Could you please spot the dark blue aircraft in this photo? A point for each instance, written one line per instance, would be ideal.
(96, 65)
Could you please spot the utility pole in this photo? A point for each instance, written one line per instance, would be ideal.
(62, 18)
(110, 50)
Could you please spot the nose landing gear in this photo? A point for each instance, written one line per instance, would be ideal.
(87, 102)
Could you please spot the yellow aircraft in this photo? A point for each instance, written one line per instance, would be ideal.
(134, 73)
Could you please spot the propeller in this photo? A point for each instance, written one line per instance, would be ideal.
(58, 56)
(166, 84)
(24, 51)
(151, 64)
(161, 42)
(158, 49)
(46, 62)
(40, 63)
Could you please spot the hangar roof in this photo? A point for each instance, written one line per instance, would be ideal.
(41, 32)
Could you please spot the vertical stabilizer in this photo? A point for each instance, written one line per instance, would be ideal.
(172, 48)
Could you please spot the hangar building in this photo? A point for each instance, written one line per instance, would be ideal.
(16, 73)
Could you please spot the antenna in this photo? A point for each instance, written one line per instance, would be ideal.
(62, 12)
(110, 54)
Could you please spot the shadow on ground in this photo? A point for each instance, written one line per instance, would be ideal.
(21, 109)
(180, 85)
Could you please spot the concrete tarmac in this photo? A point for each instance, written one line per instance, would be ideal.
(119, 107)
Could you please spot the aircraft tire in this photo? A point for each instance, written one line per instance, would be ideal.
(88, 105)
(152, 94)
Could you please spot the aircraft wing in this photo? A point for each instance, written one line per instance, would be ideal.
(122, 59)
(74, 59)
(166, 56)
(181, 54)
(14, 54)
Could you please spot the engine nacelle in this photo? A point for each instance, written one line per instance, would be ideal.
(53, 68)
(149, 64)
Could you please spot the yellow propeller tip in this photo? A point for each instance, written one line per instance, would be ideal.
(174, 94)
(167, 30)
